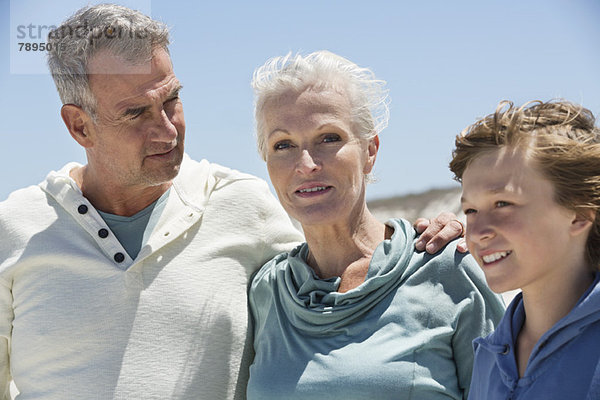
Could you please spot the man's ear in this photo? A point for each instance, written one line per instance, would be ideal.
(78, 123)
(372, 149)
(582, 222)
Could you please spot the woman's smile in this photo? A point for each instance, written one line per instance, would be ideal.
(313, 190)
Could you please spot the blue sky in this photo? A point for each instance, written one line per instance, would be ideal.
(446, 63)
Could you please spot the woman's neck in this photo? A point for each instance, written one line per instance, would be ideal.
(344, 249)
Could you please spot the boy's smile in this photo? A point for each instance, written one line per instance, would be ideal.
(515, 229)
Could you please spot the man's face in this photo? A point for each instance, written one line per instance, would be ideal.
(138, 137)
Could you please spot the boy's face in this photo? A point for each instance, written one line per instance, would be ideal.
(515, 230)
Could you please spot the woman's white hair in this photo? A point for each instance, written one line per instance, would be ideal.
(322, 69)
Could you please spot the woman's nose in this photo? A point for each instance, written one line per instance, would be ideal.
(307, 163)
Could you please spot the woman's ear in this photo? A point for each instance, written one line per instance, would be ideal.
(78, 123)
(372, 149)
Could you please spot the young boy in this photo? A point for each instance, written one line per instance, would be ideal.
(531, 195)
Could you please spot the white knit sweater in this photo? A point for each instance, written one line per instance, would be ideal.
(80, 321)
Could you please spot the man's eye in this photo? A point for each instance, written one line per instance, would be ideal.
(135, 113)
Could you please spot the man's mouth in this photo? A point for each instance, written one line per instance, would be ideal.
(163, 153)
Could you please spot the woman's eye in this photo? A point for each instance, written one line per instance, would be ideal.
(281, 146)
(501, 203)
(331, 138)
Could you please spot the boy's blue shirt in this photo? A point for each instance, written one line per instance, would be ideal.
(562, 365)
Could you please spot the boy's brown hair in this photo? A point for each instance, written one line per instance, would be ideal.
(562, 140)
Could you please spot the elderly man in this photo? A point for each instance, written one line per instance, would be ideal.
(126, 278)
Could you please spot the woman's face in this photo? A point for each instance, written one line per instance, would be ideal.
(316, 162)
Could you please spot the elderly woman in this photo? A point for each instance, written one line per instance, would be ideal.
(355, 312)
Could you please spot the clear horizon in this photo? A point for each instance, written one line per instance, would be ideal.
(446, 64)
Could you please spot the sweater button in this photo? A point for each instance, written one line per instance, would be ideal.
(103, 233)
(119, 257)
(82, 209)
(506, 349)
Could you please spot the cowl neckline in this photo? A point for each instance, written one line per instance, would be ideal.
(314, 306)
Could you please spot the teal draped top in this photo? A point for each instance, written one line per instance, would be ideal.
(404, 333)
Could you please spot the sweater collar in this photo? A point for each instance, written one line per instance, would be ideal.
(194, 183)
(314, 305)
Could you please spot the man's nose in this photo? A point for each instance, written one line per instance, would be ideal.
(163, 127)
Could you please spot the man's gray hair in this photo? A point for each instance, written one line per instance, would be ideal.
(322, 69)
(126, 33)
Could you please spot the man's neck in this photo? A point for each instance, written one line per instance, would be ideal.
(123, 201)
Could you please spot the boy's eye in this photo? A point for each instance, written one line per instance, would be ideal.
(469, 211)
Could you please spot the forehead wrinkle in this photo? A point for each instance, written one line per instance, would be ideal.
(145, 97)
(313, 114)
(313, 102)
(307, 110)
